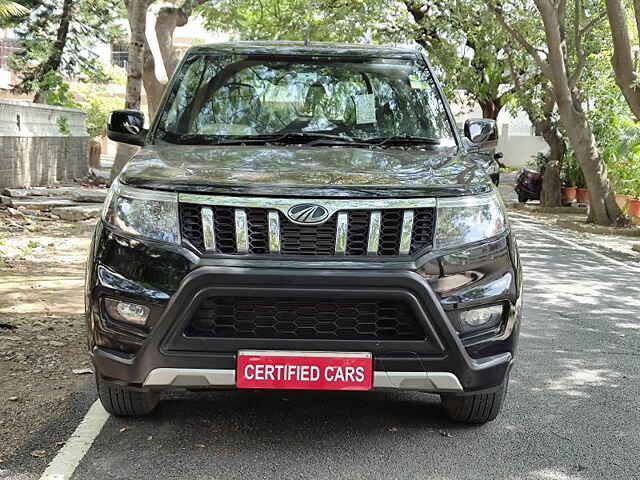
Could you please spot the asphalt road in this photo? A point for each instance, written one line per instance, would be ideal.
(572, 412)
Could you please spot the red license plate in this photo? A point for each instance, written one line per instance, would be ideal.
(304, 370)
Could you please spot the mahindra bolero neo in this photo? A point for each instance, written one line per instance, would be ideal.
(304, 217)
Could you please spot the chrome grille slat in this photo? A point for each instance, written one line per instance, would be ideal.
(242, 237)
(274, 231)
(333, 205)
(407, 229)
(392, 229)
(374, 233)
(207, 229)
(341, 233)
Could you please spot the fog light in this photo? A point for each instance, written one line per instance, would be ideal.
(126, 312)
(481, 317)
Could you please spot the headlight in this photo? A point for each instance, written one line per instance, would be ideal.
(145, 213)
(464, 220)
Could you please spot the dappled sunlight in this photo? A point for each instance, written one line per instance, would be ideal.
(632, 326)
(578, 376)
(595, 302)
(39, 295)
(40, 248)
(42, 275)
(553, 474)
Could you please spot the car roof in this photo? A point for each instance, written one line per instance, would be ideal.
(310, 49)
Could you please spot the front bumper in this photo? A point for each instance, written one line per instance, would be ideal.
(220, 378)
(172, 282)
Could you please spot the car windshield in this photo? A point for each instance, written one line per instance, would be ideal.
(375, 100)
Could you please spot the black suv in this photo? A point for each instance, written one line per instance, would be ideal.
(304, 217)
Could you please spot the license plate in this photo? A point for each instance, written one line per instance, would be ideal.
(304, 370)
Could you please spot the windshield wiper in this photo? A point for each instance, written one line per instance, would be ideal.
(400, 140)
(310, 138)
(289, 137)
(296, 137)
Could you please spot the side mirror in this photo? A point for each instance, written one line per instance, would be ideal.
(126, 126)
(483, 133)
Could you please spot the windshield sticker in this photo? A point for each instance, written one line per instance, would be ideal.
(416, 83)
(365, 108)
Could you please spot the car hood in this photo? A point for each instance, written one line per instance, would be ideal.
(308, 171)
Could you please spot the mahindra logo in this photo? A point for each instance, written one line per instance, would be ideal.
(308, 213)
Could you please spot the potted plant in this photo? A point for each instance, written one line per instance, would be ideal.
(634, 203)
(624, 165)
(623, 200)
(634, 207)
(569, 173)
(569, 195)
(582, 194)
(620, 184)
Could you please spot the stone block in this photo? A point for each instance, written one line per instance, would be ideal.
(78, 212)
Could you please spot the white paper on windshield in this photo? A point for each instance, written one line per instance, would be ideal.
(416, 83)
(365, 108)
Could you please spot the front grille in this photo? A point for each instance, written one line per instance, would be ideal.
(307, 239)
(224, 229)
(317, 319)
(191, 225)
(257, 230)
(422, 233)
(358, 229)
(390, 228)
(310, 240)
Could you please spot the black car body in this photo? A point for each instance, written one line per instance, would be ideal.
(303, 240)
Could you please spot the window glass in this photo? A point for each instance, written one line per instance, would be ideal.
(248, 96)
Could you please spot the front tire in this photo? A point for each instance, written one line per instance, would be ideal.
(475, 409)
(124, 402)
(522, 197)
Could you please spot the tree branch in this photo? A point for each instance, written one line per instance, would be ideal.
(581, 58)
(53, 61)
(593, 22)
(622, 59)
(519, 38)
(636, 11)
(166, 22)
(152, 86)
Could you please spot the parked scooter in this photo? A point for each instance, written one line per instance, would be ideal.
(528, 185)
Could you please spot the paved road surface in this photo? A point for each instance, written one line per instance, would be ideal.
(572, 412)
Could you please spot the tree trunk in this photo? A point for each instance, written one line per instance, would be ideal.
(603, 207)
(52, 63)
(622, 58)
(95, 150)
(546, 128)
(152, 86)
(137, 15)
(168, 19)
(551, 195)
(490, 109)
(636, 13)
(166, 22)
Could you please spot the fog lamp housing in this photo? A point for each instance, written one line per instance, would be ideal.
(477, 319)
(127, 312)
